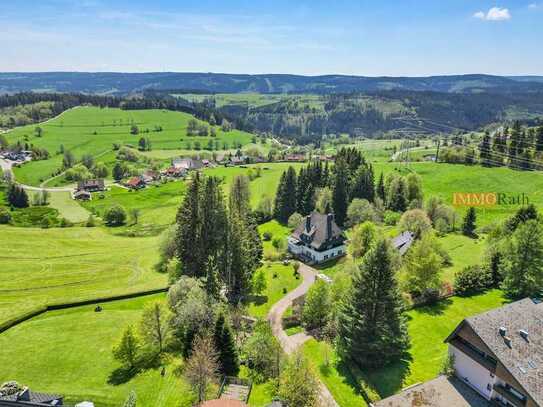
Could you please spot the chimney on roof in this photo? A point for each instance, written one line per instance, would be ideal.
(523, 334)
(507, 341)
(503, 331)
(308, 223)
(329, 219)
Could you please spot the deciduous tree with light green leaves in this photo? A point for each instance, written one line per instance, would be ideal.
(127, 349)
(422, 266)
(298, 384)
(317, 306)
(522, 261)
(155, 325)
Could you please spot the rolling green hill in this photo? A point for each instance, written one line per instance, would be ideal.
(92, 130)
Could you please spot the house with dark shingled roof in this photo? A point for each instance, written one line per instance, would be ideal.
(498, 361)
(317, 239)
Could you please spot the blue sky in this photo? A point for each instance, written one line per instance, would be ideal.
(394, 38)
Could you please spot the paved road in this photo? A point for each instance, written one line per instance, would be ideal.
(291, 343)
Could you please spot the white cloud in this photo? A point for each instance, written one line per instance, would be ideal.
(494, 14)
(534, 6)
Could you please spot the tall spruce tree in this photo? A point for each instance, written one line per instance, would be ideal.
(17, 196)
(285, 198)
(380, 190)
(189, 231)
(340, 198)
(485, 150)
(468, 224)
(363, 184)
(226, 348)
(372, 330)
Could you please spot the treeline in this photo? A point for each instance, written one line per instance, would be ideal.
(517, 147)
(28, 107)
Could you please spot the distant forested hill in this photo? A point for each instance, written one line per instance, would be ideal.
(126, 83)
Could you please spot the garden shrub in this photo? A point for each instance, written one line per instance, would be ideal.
(471, 279)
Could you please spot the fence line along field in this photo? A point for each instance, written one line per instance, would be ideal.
(93, 130)
(58, 265)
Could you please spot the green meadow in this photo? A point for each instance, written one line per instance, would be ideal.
(75, 357)
(92, 130)
(443, 180)
(40, 267)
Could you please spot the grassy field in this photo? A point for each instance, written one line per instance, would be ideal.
(51, 266)
(264, 186)
(91, 130)
(157, 204)
(428, 327)
(464, 251)
(276, 230)
(67, 207)
(279, 280)
(69, 352)
(443, 180)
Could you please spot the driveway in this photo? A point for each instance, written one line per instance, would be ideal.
(291, 343)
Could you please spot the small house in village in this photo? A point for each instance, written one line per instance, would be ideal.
(317, 239)
(135, 183)
(82, 195)
(173, 172)
(150, 176)
(91, 185)
(189, 164)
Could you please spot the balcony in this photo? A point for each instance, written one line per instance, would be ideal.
(507, 393)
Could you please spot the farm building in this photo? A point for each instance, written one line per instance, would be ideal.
(173, 172)
(135, 183)
(188, 164)
(91, 185)
(150, 176)
(82, 195)
(317, 239)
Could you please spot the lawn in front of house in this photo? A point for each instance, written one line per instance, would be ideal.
(280, 279)
(69, 352)
(428, 327)
(274, 230)
(67, 207)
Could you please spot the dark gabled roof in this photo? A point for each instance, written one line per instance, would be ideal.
(524, 358)
(91, 183)
(28, 397)
(439, 392)
(315, 231)
(403, 241)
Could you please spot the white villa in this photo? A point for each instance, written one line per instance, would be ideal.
(317, 239)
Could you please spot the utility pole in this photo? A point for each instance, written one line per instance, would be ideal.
(437, 152)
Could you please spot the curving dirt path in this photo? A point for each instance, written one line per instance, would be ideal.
(291, 343)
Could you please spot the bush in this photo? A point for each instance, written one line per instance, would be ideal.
(471, 279)
(416, 221)
(115, 216)
(295, 220)
(391, 218)
(65, 223)
(5, 216)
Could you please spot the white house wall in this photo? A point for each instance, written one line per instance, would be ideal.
(472, 373)
(318, 257)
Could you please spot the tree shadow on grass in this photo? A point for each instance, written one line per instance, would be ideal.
(124, 374)
(385, 381)
(437, 308)
(257, 299)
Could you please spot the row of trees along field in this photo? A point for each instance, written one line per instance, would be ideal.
(516, 147)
